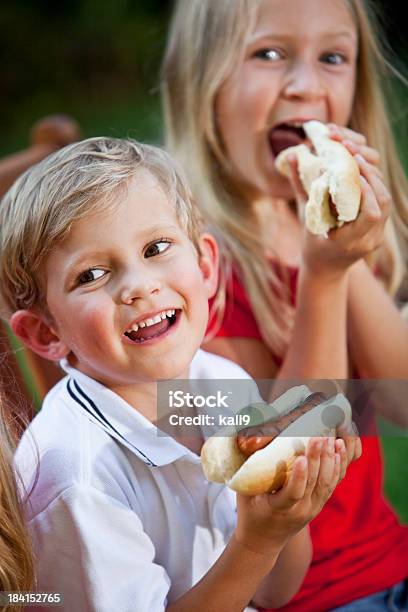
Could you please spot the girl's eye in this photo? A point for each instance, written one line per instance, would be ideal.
(157, 247)
(90, 275)
(334, 58)
(271, 55)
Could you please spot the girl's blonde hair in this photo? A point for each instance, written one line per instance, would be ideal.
(85, 177)
(16, 557)
(207, 40)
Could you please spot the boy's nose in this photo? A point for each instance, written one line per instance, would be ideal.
(138, 287)
(303, 82)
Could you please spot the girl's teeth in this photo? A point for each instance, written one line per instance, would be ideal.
(170, 313)
(142, 324)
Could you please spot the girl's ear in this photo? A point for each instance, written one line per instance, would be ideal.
(209, 262)
(36, 332)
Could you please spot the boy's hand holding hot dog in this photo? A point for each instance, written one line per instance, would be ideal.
(268, 521)
(284, 467)
(273, 526)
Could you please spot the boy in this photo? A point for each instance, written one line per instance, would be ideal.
(104, 267)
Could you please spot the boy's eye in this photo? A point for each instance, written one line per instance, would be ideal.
(271, 55)
(157, 247)
(90, 275)
(333, 58)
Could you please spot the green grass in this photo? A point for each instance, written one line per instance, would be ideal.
(395, 447)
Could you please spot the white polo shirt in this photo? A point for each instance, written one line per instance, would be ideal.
(122, 519)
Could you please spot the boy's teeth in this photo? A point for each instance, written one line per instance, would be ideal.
(147, 322)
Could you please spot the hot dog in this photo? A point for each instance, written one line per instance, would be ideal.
(259, 459)
(330, 176)
(252, 439)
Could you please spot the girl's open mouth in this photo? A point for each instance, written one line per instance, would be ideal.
(284, 136)
(151, 329)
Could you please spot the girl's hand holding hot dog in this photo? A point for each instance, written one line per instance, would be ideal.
(352, 241)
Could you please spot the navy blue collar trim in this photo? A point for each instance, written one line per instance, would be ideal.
(93, 410)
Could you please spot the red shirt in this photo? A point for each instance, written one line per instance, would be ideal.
(359, 547)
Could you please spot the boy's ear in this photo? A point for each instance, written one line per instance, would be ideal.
(36, 332)
(209, 262)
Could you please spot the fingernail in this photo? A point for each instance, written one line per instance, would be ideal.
(359, 157)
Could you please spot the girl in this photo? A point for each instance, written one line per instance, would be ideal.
(16, 560)
(240, 76)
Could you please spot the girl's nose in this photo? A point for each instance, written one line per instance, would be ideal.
(304, 82)
(138, 286)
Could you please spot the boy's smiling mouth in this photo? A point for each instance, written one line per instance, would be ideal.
(152, 327)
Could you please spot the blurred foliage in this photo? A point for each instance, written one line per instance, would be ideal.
(95, 60)
(98, 60)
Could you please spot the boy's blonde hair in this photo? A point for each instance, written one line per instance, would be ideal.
(16, 557)
(85, 177)
(207, 40)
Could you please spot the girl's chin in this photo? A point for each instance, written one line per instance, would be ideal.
(277, 187)
(269, 184)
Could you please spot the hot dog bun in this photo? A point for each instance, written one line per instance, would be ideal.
(267, 469)
(330, 172)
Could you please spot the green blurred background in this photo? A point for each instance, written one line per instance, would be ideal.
(99, 61)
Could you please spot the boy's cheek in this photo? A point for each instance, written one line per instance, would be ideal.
(85, 321)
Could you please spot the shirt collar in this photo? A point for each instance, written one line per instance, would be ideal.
(121, 421)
